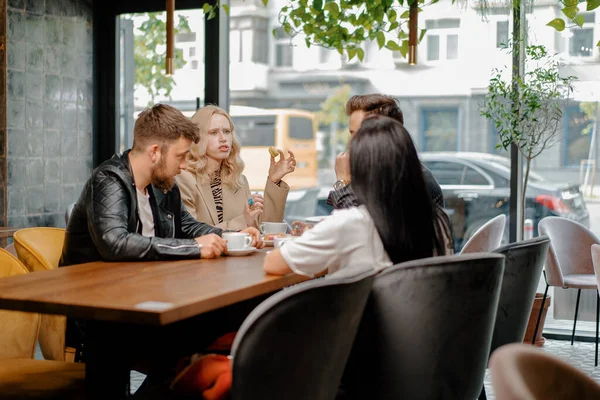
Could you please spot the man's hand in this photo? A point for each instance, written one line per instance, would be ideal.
(211, 246)
(255, 235)
(342, 166)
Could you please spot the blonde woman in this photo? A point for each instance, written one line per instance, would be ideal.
(213, 188)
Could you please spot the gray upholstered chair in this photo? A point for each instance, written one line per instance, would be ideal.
(569, 262)
(487, 238)
(523, 372)
(426, 330)
(522, 270)
(295, 344)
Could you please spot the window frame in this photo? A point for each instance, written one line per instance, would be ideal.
(423, 127)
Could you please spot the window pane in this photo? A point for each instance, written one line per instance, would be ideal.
(283, 54)
(234, 46)
(247, 45)
(577, 137)
(501, 33)
(446, 173)
(255, 131)
(452, 47)
(472, 177)
(301, 128)
(444, 23)
(433, 47)
(440, 130)
(582, 42)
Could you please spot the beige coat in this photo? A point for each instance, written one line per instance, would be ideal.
(199, 201)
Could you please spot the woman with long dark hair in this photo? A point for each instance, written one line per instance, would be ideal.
(396, 220)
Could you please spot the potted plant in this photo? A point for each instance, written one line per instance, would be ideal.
(528, 112)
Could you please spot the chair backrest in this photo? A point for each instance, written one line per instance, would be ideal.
(295, 344)
(569, 252)
(426, 330)
(18, 330)
(40, 249)
(522, 270)
(523, 372)
(596, 261)
(486, 238)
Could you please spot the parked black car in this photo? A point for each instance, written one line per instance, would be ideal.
(476, 188)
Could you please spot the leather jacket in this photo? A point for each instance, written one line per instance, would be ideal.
(104, 224)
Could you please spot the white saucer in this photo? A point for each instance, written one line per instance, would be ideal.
(241, 252)
(316, 220)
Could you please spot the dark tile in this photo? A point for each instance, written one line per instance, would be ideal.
(19, 4)
(56, 220)
(69, 195)
(85, 143)
(85, 93)
(53, 87)
(68, 117)
(34, 28)
(15, 113)
(34, 85)
(17, 143)
(68, 168)
(51, 143)
(52, 198)
(35, 57)
(52, 31)
(35, 146)
(89, 34)
(35, 171)
(34, 202)
(2, 217)
(34, 114)
(35, 220)
(16, 200)
(84, 119)
(36, 6)
(84, 9)
(56, 7)
(69, 89)
(16, 84)
(16, 25)
(52, 171)
(52, 60)
(51, 115)
(16, 55)
(69, 34)
(2, 184)
(17, 222)
(68, 57)
(2, 143)
(68, 146)
(84, 169)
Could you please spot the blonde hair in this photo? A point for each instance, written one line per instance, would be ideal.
(232, 167)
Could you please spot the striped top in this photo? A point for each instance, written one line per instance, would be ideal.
(217, 193)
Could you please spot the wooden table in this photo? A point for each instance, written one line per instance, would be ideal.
(112, 296)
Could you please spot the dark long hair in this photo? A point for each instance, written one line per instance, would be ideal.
(387, 178)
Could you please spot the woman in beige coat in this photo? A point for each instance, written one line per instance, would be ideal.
(213, 188)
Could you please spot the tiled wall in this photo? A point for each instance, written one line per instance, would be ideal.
(48, 108)
(2, 116)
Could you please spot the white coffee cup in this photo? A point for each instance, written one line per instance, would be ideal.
(273, 227)
(237, 240)
(279, 241)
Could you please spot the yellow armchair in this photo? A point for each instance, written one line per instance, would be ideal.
(40, 249)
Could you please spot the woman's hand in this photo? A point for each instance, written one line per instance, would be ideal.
(255, 235)
(250, 213)
(281, 168)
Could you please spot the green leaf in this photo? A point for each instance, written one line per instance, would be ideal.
(351, 53)
(307, 41)
(405, 14)
(571, 3)
(422, 35)
(380, 39)
(392, 15)
(265, 2)
(360, 53)
(404, 48)
(206, 8)
(592, 4)
(318, 4)
(226, 8)
(333, 9)
(579, 20)
(570, 12)
(392, 46)
(557, 23)
(598, 44)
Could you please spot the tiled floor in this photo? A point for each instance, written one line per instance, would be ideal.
(580, 355)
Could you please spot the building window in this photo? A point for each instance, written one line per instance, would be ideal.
(283, 49)
(442, 38)
(192, 52)
(581, 40)
(501, 34)
(247, 40)
(439, 129)
(578, 129)
(194, 64)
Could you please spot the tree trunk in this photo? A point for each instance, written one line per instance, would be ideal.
(523, 195)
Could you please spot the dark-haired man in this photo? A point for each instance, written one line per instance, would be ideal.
(357, 109)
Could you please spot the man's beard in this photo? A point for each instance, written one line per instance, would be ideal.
(158, 177)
